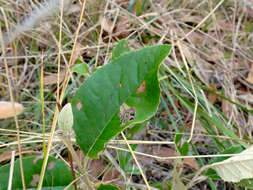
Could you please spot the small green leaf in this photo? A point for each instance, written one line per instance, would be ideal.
(57, 173)
(121, 48)
(81, 68)
(178, 138)
(184, 149)
(108, 187)
(138, 8)
(132, 79)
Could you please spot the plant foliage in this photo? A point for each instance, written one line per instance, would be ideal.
(131, 78)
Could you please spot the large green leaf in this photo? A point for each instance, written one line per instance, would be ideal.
(97, 102)
(57, 174)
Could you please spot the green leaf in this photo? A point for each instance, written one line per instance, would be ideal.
(184, 149)
(121, 48)
(178, 138)
(108, 187)
(138, 8)
(80, 69)
(96, 104)
(56, 175)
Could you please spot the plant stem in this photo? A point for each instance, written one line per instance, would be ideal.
(68, 143)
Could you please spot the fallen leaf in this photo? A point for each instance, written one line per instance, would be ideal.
(112, 175)
(5, 156)
(212, 97)
(144, 160)
(169, 152)
(106, 24)
(198, 126)
(53, 78)
(226, 108)
(250, 75)
(191, 163)
(6, 109)
(96, 167)
(77, 52)
(122, 26)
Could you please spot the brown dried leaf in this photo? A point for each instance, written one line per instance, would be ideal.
(111, 175)
(250, 75)
(212, 97)
(6, 109)
(53, 78)
(226, 108)
(144, 159)
(198, 126)
(96, 167)
(106, 24)
(169, 152)
(7, 155)
(77, 52)
(122, 26)
(163, 152)
(191, 163)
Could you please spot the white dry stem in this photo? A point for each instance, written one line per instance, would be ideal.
(11, 169)
(44, 10)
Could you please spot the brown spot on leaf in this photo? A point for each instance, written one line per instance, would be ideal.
(79, 106)
(51, 165)
(35, 180)
(120, 85)
(35, 160)
(142, 88)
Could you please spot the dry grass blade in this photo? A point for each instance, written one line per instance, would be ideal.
(136, 161)
(11, 170)
(13, 107)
